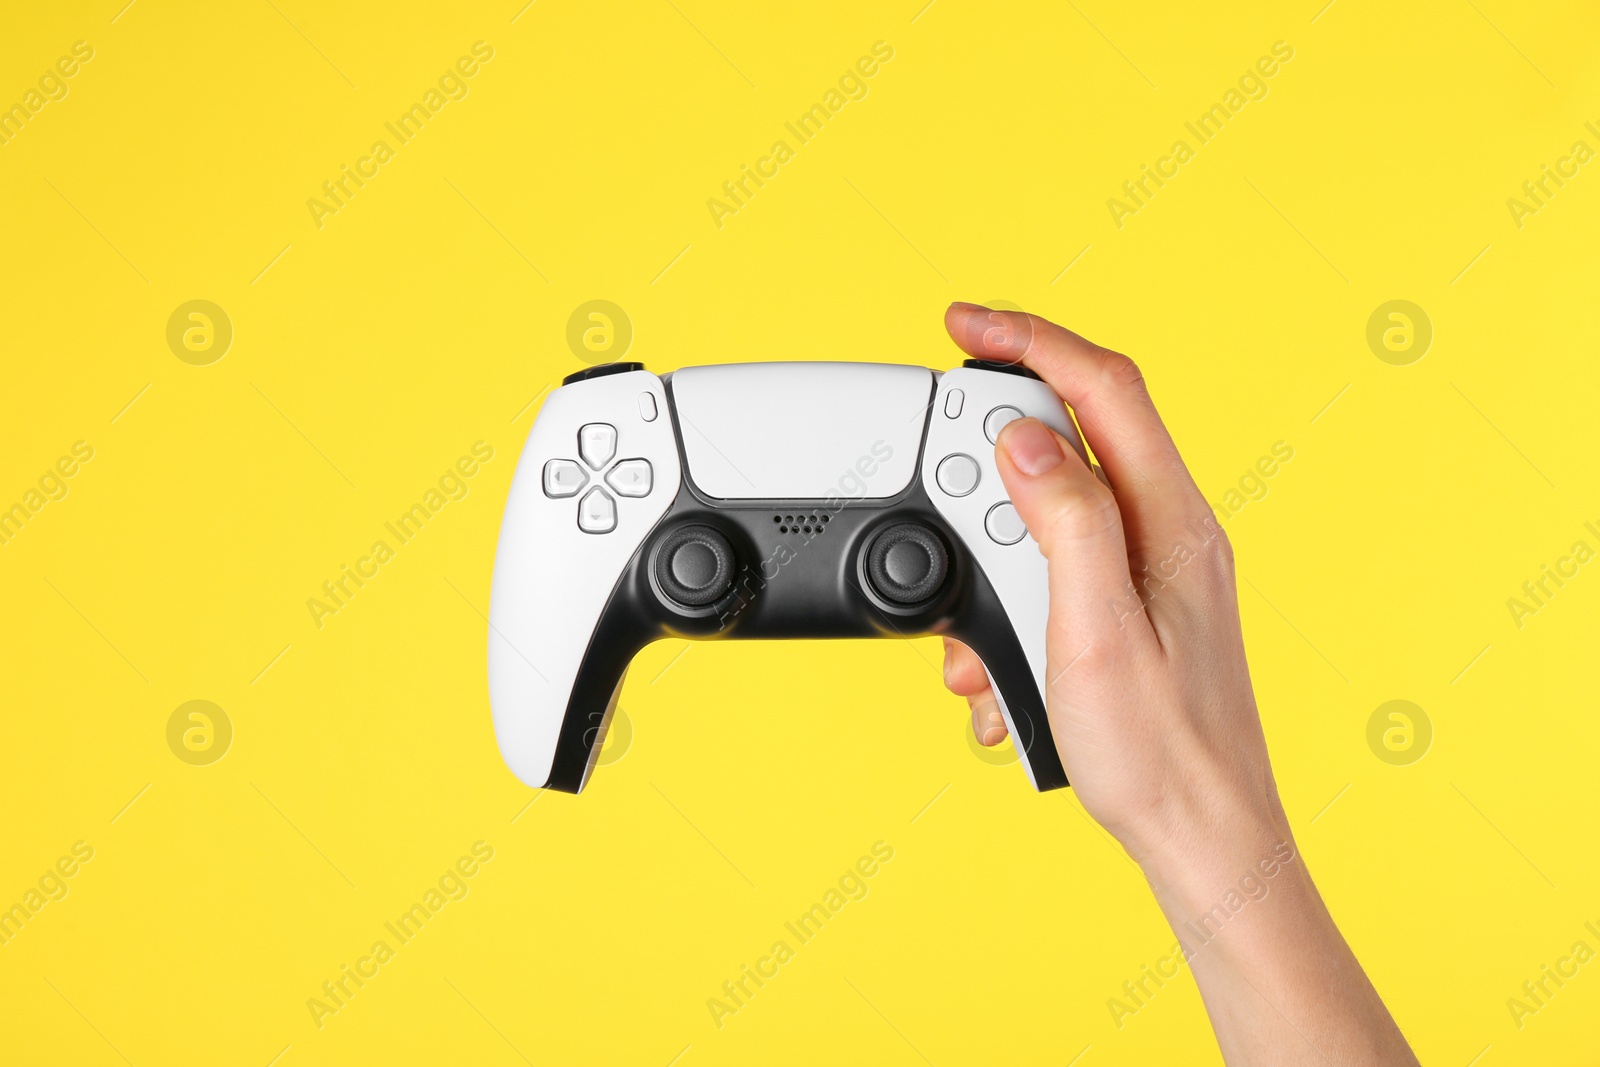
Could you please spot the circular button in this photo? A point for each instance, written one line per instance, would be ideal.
(957, 474)
(907, 563)
(1003, 524)
(694, 566)
(996, 420)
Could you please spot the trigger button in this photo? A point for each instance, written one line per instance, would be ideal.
(597, 512)
(996, 421)
(597, 443)
(1003, 525)
(563, 477)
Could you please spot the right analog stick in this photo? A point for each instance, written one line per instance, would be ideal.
(694, 566)
(907, 563)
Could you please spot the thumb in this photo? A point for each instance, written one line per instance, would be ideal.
(1072, 516)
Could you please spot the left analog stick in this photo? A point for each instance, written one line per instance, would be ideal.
(694, 566)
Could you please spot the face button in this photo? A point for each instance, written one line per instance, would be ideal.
(563, 477)
(694, 566)
(597, 512)
(597, 443)
(647, 407)
(907, 563)
(996, 421)
(601, 371)
(631, 477)
(1004, 525)
(952, 403)
(957, 474)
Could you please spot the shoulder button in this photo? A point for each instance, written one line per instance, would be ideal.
(1004, 368)
(601, 371)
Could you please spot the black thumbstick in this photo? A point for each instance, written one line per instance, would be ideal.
(694, 566)
(907, 563)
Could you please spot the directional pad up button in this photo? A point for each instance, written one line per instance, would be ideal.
(597, 443)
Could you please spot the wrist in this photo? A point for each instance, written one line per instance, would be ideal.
(1203, 843)
(1202, 898)
(1232, 884)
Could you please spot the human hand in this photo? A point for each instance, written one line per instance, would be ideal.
(1149, 700)
(1149, 696)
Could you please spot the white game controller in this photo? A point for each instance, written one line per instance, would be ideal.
(761, 500)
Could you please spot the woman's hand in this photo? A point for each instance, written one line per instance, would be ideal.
(1149, 696)
(1149, 699)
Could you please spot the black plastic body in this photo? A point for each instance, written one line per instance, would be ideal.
(800, 573)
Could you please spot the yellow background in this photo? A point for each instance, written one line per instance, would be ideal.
(430, 312)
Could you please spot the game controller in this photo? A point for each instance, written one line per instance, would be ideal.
(761, 500)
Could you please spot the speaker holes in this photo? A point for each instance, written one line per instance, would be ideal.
(801, 524)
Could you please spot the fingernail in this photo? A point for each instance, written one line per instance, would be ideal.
(947, 659)
(997, 728)
(993, 730)
(1032, 447)
(964, 306)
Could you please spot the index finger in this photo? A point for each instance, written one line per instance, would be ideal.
(1107, 393)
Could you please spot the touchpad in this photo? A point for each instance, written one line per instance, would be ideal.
(806, 431)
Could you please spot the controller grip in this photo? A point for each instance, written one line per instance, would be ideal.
(593, 697)
(1022, 704)
(558, 643)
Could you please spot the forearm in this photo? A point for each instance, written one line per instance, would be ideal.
(1278, 980)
